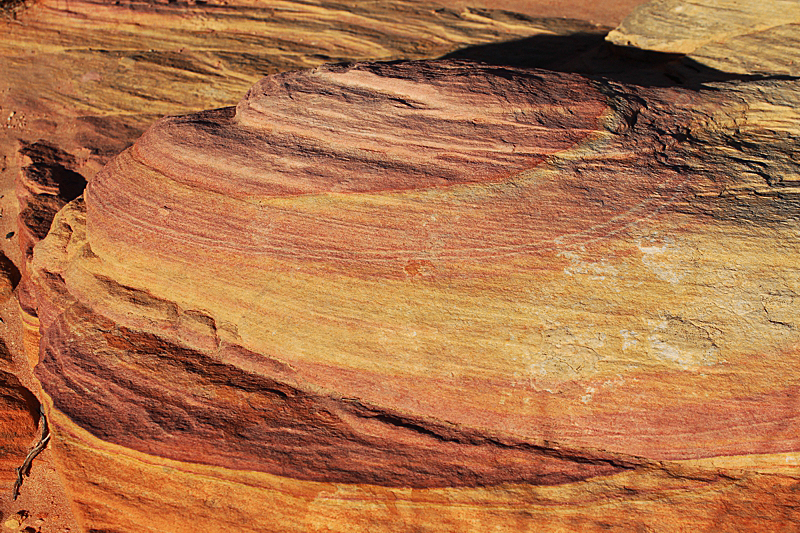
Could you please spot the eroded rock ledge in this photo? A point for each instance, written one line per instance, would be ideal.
(439, 276)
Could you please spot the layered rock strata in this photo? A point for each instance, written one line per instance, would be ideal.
(89, 77)
(19, 417)
(678, 26)
(19, 409)
(83, 79)
(435, 296)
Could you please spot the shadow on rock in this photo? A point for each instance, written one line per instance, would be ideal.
(46, 184)
(588, 53)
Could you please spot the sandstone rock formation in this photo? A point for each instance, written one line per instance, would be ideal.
(82, 80)
(18, 407)
(682, 27)
(730, 36)
(18, 423)
(89, 76)
(9, 277)
(419, 296)
(432, 295)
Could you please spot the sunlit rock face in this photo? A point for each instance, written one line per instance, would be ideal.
(433, 295)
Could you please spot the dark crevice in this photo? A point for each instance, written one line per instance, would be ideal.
(44, 186)
(451, 433)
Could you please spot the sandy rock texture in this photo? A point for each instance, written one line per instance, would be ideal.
(434, 296)
(422, 295)
(678, 26)
(609, 13)
(19, 408)
(19, 419)
(89, 77)
(82, 80)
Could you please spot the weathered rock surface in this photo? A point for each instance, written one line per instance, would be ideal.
(19, 415)
(46, 184)
(19, 409)
(9, 277)
(82, 80)
(679, 26)
(86, 78)
(415, 296)
(609, 13)
(434, 295)
(733, 36)
(89, 77)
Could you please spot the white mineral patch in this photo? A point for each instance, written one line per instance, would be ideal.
(660, 256)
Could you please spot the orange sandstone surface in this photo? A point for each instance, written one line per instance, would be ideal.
(429, 295)
(475, 292)
(82, 80)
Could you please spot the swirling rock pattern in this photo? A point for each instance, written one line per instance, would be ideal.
(349, 434)
(434, 296)
(82, 81)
